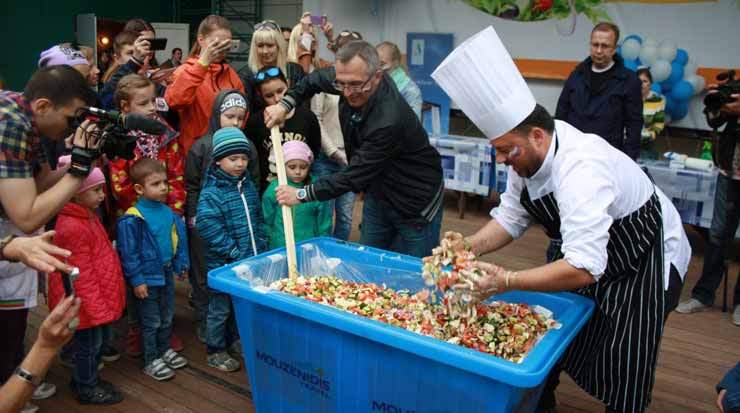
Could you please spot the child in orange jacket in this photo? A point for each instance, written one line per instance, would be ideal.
(197, 82)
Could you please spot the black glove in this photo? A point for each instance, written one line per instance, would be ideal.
(82, 161)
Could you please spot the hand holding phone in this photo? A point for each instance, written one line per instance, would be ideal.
(159, 43)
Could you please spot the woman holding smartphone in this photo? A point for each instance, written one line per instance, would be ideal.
(201, 77)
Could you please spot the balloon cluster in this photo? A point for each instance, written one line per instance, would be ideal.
(674, 75)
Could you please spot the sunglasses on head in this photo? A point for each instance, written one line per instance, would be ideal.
(346, 33)
(270, 73)
(267, 25)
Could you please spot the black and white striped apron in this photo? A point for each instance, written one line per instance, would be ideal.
(614, 356)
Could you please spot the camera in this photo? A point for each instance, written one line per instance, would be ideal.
(113, 130)
(720, 96)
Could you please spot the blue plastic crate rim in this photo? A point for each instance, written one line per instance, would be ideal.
(570, 310)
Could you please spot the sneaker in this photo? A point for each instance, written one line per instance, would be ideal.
(44, 391)
(100, 395)
(736, 315)
(109, 354)
(29, 408)
(174, 360)
(176, 343)
(223, 361)
(691, 305)
(134, 347)
(236, 349)
(159, 371)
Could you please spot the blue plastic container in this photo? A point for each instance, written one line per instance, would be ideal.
(306, 357)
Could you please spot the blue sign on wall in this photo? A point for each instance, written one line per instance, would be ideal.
(424, 52)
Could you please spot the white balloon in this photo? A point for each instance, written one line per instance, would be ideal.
(631, 49)
(697, 83)
(649, 41)
(667, 50)
(689, 69)
(660, 70)
(648, 54)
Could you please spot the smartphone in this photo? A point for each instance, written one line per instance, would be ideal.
(68, 281)
(235, 45)
(318, 20)
(159, 43)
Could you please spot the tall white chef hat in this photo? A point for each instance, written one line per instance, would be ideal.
(480, 76)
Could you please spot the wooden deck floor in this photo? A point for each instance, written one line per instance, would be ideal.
(696, 352)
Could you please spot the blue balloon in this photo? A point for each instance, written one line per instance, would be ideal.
(655, 87)
(676, 73)
(680, 110)
(633, 36)
(666, 87)
(682, 91)
(631, 65)
(670, 105)
(682, 57)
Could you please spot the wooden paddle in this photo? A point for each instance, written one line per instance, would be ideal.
(277, 146)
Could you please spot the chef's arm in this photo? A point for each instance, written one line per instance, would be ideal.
(491, 237)
(555, 276)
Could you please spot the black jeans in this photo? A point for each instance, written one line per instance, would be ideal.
(13, 324)
(724, 225)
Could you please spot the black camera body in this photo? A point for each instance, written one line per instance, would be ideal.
(113, 130)
(723, 152)
(720, 96)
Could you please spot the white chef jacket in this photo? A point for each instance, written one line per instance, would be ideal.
(594, 184)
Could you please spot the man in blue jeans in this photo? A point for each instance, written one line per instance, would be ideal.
(344, 204)
(725, 219)
(390, 158)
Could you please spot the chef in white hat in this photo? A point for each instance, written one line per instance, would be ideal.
(623, 244)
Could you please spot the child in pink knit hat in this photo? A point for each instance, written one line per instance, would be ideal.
(310, 219)
(100, 286)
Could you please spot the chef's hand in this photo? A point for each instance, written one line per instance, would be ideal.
(275, 115)
(720, 399)
(491, 282)
(287, 195)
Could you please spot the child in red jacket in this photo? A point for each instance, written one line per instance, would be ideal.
(100, 286)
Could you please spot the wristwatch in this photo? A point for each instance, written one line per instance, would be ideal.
(4, 243)
(26, 376)
(301, 194)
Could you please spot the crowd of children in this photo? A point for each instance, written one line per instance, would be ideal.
(196, 197)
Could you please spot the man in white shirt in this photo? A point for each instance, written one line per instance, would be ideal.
(623, 244)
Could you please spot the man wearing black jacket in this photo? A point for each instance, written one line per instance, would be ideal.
(602, 96)
(390, 158)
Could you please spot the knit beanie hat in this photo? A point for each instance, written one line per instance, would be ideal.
(62, 55)
(94, 179)
(233, 100)
(230, 141)
(297, 150)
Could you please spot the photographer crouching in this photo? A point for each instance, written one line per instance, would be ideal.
(722, 108)
(30, 195)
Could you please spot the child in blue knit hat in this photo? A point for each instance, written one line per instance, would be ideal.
(229, 220)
